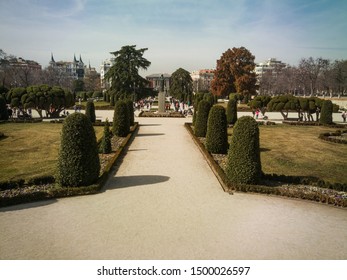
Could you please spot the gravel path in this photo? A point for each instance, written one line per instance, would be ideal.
(165, 203)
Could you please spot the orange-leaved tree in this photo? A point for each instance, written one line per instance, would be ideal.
(235, 73)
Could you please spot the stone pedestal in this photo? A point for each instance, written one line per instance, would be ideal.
(161, 102)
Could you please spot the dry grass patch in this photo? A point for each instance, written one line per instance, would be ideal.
(30, 149)
(297, 151)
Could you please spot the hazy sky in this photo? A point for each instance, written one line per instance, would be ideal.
(191, 34)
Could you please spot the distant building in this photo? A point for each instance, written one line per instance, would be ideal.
(75, 69)
(202, 79)
(154, 81)
(23, 63)
(104, 67)
(272, 65)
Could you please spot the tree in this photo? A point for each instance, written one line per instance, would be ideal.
(244, 165)
(78, 162)
(235, 73)
(260, 102)
(52, 100)
(217, 132)
(310, 70)
(3, 109)
(124, 74)
(181, 85)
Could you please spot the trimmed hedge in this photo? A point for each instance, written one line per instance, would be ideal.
(217, 132)
(121, 120)
(78, 162)
(90, 111)
(200, 127)
(244, 166)
(326, 116)
(232, 111)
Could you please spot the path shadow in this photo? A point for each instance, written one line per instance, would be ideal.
(265, 149)
(149, 134)
(120, 182)
(28, 205)
(137, 150)
(153, 124)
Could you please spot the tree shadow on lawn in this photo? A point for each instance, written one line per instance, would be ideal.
(120, 182)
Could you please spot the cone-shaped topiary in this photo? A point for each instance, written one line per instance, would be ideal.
(244, 166)
(78, 162)
(326, 116)
(130, 105)
(105, 146)
(232, 111)
(90, 111)
(121, 122)
(217, 133)
(200, 127)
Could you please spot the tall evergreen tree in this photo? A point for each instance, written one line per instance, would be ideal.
(124, 74)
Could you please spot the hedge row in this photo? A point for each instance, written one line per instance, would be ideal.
(20, 183)
(330, 136)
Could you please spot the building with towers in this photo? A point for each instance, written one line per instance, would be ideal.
(76, 68)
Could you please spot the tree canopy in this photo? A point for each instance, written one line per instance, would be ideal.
(181, 85)
(124, 73)
(52, 100)
(234, 73)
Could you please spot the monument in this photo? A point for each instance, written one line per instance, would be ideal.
(161, 96)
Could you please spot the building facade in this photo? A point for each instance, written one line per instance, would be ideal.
(104, 67)
(75, 69)
(24, 64)
(272, 65)
(202, 79)
(155, 80)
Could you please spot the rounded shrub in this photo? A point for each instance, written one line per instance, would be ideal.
(130, 105)
(326, 116)
(232, 111)
(121, 122)
(217, 134)
(78, 161)
(244, 165)
(105, 145)
(90, 111)
(200, 127)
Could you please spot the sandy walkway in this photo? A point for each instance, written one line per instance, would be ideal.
(165, 203)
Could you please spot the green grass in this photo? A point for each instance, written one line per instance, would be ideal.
(297, 151)
(30, 149)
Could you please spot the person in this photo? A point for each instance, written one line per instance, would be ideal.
(257, 114)
(344, 116)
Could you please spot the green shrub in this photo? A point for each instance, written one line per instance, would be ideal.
(232, 111)
(200, 128)
(244, 166)
(3, 109)
(90, 111)
(217, 134)
(105, 146)
(209, 97)
(326, 116)
(78, 161)
(130, 105)
(121, 122)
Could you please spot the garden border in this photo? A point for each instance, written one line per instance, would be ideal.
(228, 187)
(60, 192)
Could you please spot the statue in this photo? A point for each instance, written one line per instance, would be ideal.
(162, 83)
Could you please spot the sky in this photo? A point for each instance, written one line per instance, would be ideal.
(189, 34)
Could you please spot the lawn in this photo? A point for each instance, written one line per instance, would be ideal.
(30, 149)
(297, 151)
